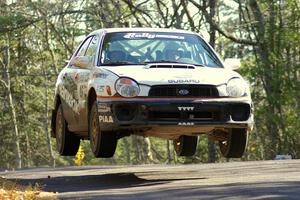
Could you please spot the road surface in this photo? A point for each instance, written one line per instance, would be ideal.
(234, 180)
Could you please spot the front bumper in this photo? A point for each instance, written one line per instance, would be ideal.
(138, 113)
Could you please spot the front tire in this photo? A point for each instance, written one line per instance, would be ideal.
(235, 145)
(67, 143)
(103, 144)
(185, 145)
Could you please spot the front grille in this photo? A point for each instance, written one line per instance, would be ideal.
(183, 91)
(156, 115)
(179, 116)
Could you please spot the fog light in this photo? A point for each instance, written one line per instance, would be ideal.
(240, 112)
(125, 112)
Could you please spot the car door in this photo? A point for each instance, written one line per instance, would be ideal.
(69, 89)
(82, 77)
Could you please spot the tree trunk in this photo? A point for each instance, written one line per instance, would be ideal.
(168, 151)
(52, 158)
(147, 149)
(28, 152)
(127, 148)
(212, 42)
(12, 107)
(265, 37)
(134, 143)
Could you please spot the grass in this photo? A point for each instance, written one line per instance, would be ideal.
(11, 190)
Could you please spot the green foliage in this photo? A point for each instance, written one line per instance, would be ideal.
(12, 20)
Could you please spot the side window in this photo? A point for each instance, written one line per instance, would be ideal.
(84, 47)
(92, 49)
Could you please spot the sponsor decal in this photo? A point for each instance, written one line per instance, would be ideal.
(103, 108)
(151, 36)
(76, 75)
(83, 76)
(184, 81)
(100, 88)
(104, 88)
(186, 123)
(108, 90)
(82, 90)
(106, 119)
(181, 108)
(100, 75)
(67, 96)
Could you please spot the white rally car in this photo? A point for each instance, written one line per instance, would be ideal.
(152, 82)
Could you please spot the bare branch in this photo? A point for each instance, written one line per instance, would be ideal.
(190, 18)
(161, 13)
(175, 16)
(4, 83)
(2, 63)
(145, 13)
(61, 39)
(221, 31)
(31, 22)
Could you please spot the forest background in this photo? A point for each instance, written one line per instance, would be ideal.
(37, 36)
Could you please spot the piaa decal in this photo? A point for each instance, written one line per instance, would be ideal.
(106, 119)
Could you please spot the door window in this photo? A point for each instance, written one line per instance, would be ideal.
(84, 46)
(92, 48)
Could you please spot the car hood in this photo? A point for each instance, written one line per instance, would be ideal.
(153, 76)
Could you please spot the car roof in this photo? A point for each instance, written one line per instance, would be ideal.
(140, 29)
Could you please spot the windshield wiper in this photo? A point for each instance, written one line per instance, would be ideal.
(170, 61)
(119, 63)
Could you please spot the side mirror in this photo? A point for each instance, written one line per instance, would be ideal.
(232, 63)
(81, 61)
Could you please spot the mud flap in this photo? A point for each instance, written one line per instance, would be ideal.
(53, 122)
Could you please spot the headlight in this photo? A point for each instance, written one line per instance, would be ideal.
(236, 87)
(127, 87)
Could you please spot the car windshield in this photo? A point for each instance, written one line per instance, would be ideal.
(150, 47)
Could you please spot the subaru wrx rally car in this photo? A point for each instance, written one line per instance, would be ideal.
(151, 82)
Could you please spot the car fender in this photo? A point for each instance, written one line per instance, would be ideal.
(103, 81)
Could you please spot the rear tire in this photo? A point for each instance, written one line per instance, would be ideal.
(235, 145)
(185, 145)
(67, 143)
(103, 144)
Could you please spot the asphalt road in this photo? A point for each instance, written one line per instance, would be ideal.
(234, 180)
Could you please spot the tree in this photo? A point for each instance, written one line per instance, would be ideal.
(6, 62)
